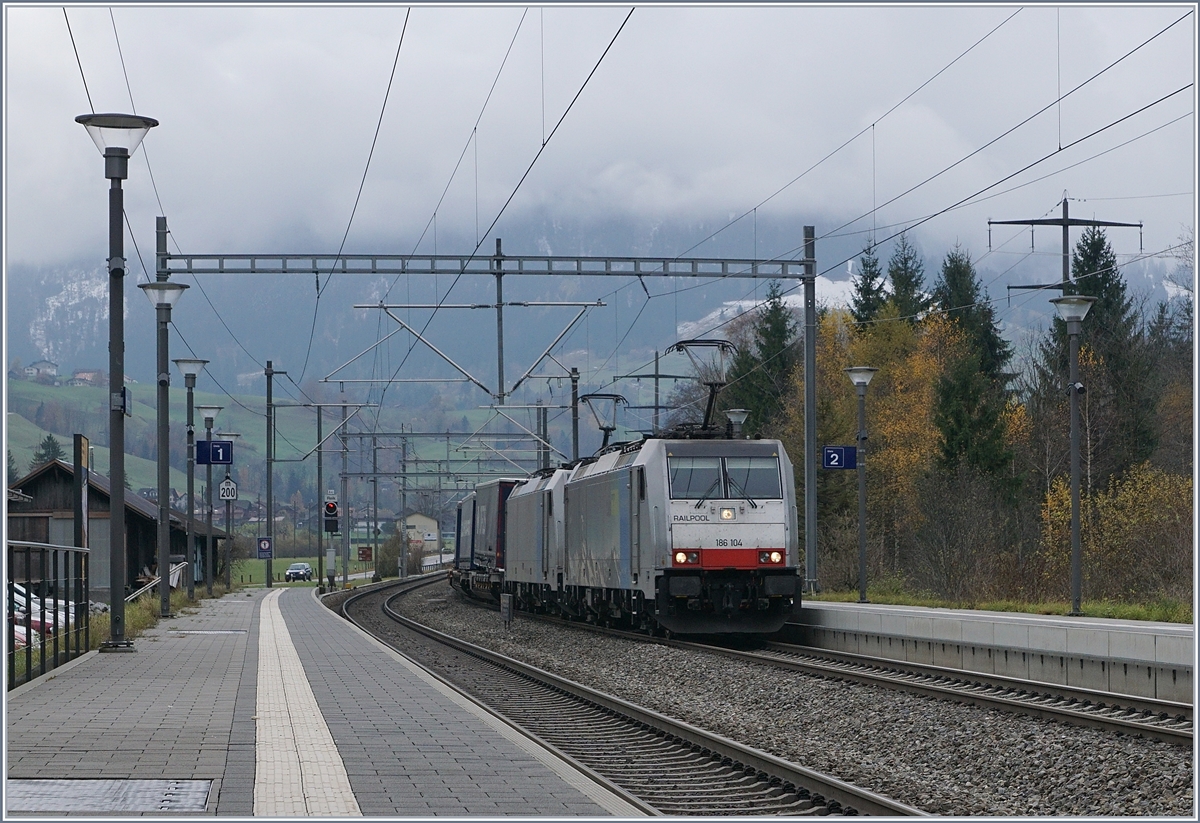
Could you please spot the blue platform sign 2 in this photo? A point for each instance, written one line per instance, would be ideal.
(214, 452)
(839, 457)
(264, 548)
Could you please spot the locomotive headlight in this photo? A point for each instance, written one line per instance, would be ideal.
(687, 558)
(727, 514)
(770, 557)
(680, 558)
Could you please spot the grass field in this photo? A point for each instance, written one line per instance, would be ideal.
(253, 572)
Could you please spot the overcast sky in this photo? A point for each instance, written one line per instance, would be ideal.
(268, 114)
(696, 116)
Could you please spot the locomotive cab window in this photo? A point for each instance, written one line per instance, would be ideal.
(753, 477)
(693, 478)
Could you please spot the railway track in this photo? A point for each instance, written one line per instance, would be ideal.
(1163, 720)
(673, 768)
(1157, 719)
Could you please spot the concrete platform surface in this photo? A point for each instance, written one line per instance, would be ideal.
(267, 704)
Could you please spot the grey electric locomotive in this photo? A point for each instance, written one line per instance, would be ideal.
(690, 536)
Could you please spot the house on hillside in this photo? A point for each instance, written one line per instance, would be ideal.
(46, 515)
(41, 370)
(87, 377)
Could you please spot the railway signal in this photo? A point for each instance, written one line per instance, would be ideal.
(331, 516)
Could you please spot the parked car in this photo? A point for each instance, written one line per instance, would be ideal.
(298, 571)
(23, 637)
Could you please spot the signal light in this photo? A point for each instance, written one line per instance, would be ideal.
(331, 516)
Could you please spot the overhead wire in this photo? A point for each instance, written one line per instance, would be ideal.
(78, 61)
(859, 134)
(835, 232)
(754, 210)
(971, 198)
(516, 188)
(362, 183)
(158, 198)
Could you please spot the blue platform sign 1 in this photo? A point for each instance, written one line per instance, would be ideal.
(264, 548)
(214, 452)
(839, 457)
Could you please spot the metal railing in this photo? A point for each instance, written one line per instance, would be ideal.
(48, 618)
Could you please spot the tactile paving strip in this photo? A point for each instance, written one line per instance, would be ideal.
(96, 796)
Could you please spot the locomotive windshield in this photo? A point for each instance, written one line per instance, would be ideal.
(700, 478)
(693, 478)
(753, 477)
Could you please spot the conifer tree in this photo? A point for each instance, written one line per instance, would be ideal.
(758, 377)
(971, 394)
(12, 468)
(906, 273)
(869, 294)
(49, 449)
(968, 416)
(1121, 403)
(960, 296)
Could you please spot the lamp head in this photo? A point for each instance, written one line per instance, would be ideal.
(209, 413)
(162, 292)
(189, 367)
(112, 131)
(737, 416)
(860, 376)
(1073, 307)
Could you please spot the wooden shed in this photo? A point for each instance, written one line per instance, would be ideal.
(47, 516)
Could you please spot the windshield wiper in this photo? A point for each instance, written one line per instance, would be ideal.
(716, 482)
(733, 486)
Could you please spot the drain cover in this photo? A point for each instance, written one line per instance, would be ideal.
(44, 796)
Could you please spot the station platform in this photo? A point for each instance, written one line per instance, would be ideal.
(268, 704)
(1133, 657)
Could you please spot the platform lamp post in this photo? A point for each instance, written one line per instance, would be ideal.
(861, 376)
(116, 136)
(163, 294)
(190, 369)
(1073, 308)
(209, 413)
(228, 506)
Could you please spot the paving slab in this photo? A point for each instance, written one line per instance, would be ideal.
(216, 707)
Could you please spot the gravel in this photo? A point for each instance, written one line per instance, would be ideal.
(942, 757)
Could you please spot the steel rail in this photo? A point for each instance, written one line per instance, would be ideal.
(411, 584)
(831, 788)
(1164, 720)
(1086, 707)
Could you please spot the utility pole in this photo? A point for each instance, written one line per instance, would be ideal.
(810, 410)
(403, 507)
(347, 522)
(320, 508)
(574, 413)
(270, 372)
(497, 267)
(374, 503)
(1066, 221)
(656, 390)
(1067, 306)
